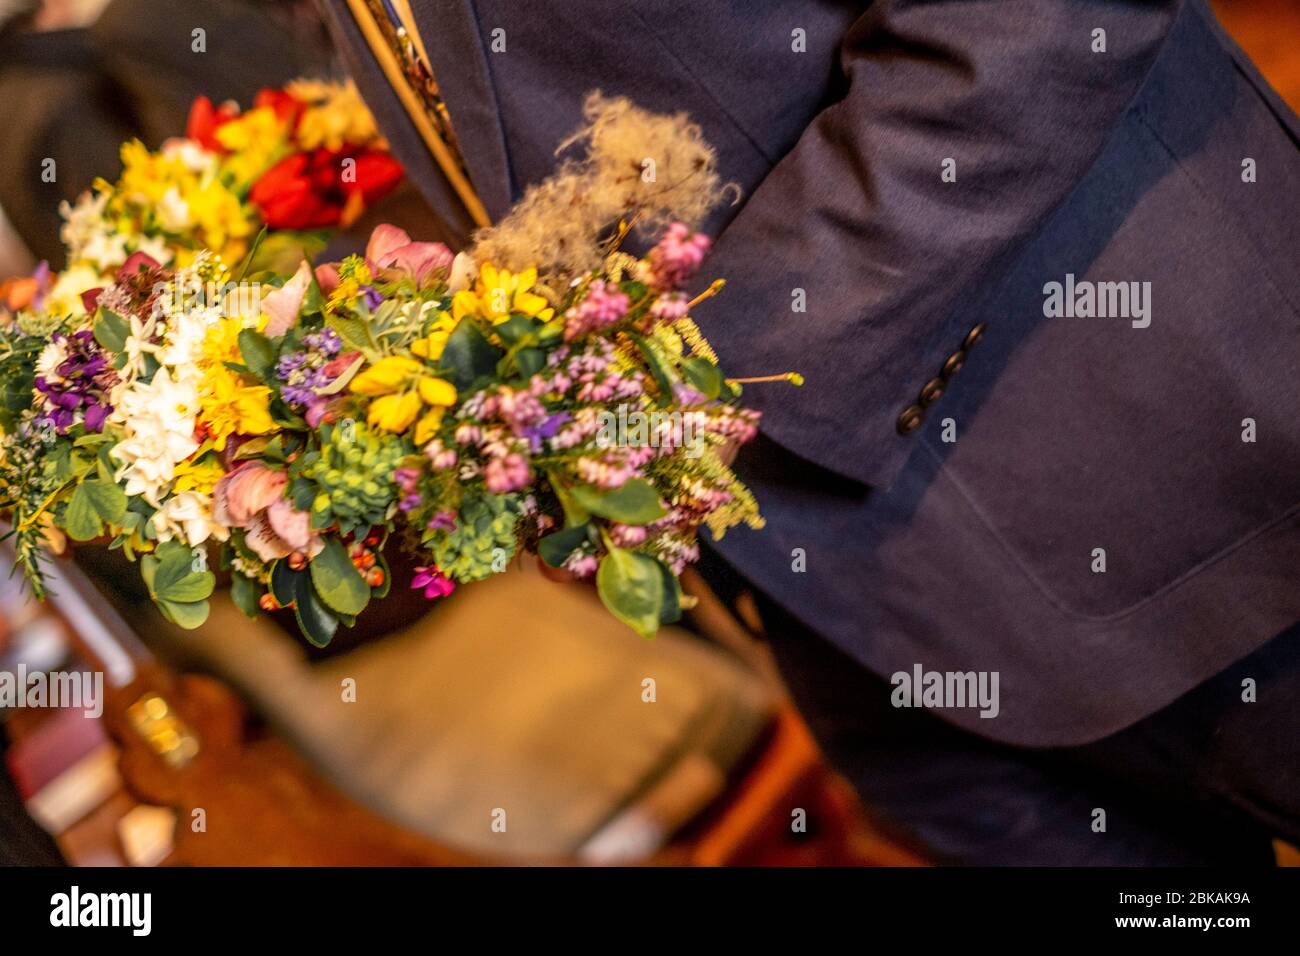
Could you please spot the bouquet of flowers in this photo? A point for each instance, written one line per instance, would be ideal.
(469, 405)
(302, 162)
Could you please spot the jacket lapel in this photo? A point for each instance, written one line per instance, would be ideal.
(451, 36)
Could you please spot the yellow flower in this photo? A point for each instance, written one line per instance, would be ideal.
(336, 116)
(220, 218)
(199, 475)
(221, 343)
(256, 140)
(394, 413)
(430, 347)
(386, 376)
(228, 407)
(400, 390)
(437, 391)
(498, 294)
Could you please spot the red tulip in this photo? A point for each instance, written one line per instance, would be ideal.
(205, 120)
(311, 191)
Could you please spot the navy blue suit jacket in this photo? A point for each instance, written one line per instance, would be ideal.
(959, 464)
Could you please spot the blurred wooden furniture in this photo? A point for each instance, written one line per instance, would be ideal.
(242, 796)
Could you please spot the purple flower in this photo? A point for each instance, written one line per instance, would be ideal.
(443, 521)
(80, 384)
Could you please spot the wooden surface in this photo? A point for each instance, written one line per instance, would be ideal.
(1269, 31)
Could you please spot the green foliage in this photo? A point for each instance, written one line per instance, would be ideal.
(631, 586)
(94, 503)
(703, 375)
(338, 584)
(177, 585)
(558, 545)
(468, 357)
(111, 330)
(633, 502)
(483, 540)
(353, 474)
(259, 355)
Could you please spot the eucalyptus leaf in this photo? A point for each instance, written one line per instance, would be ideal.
(558, 545)
(633, 502)
(631, 586)
(315, 620)
(111, 330)
(338, 584)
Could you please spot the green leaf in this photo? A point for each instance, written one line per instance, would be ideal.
(338, 584)
(704, 375)
(252, 254)
(175, 578)
(186, 614)
(529, 362)
(244, 591)
(258, 353)
(631, 585)
(108, 499)
(111, 330)
(557, 546)
(314, 300)
(672, 609)
(513, 329)
(284, 582)
(81, 521)
(468, 355)
(633, 502)
(314, 619)
(663, 375)
(281, 252)
(574, 513)
(354, 332)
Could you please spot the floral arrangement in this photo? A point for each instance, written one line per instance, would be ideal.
(469, 409)
(303, 162)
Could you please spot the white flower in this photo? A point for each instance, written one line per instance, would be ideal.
(82, 221)
(106, 250)
(173, 211)
(65, 294)
(188, 516)
(156, 248)
(183, 340)
(138, 343)
(156, 419)
(51, 357)
(464, 270)
(192, 156)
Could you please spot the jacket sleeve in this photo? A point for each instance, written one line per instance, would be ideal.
(891, 259)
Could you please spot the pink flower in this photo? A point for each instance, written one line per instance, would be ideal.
(251, 498)
(677, 256)
(506, 474)
(391, 250)
(282, 305)
(434, 582)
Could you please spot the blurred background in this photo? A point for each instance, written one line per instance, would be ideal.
(475, 732)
